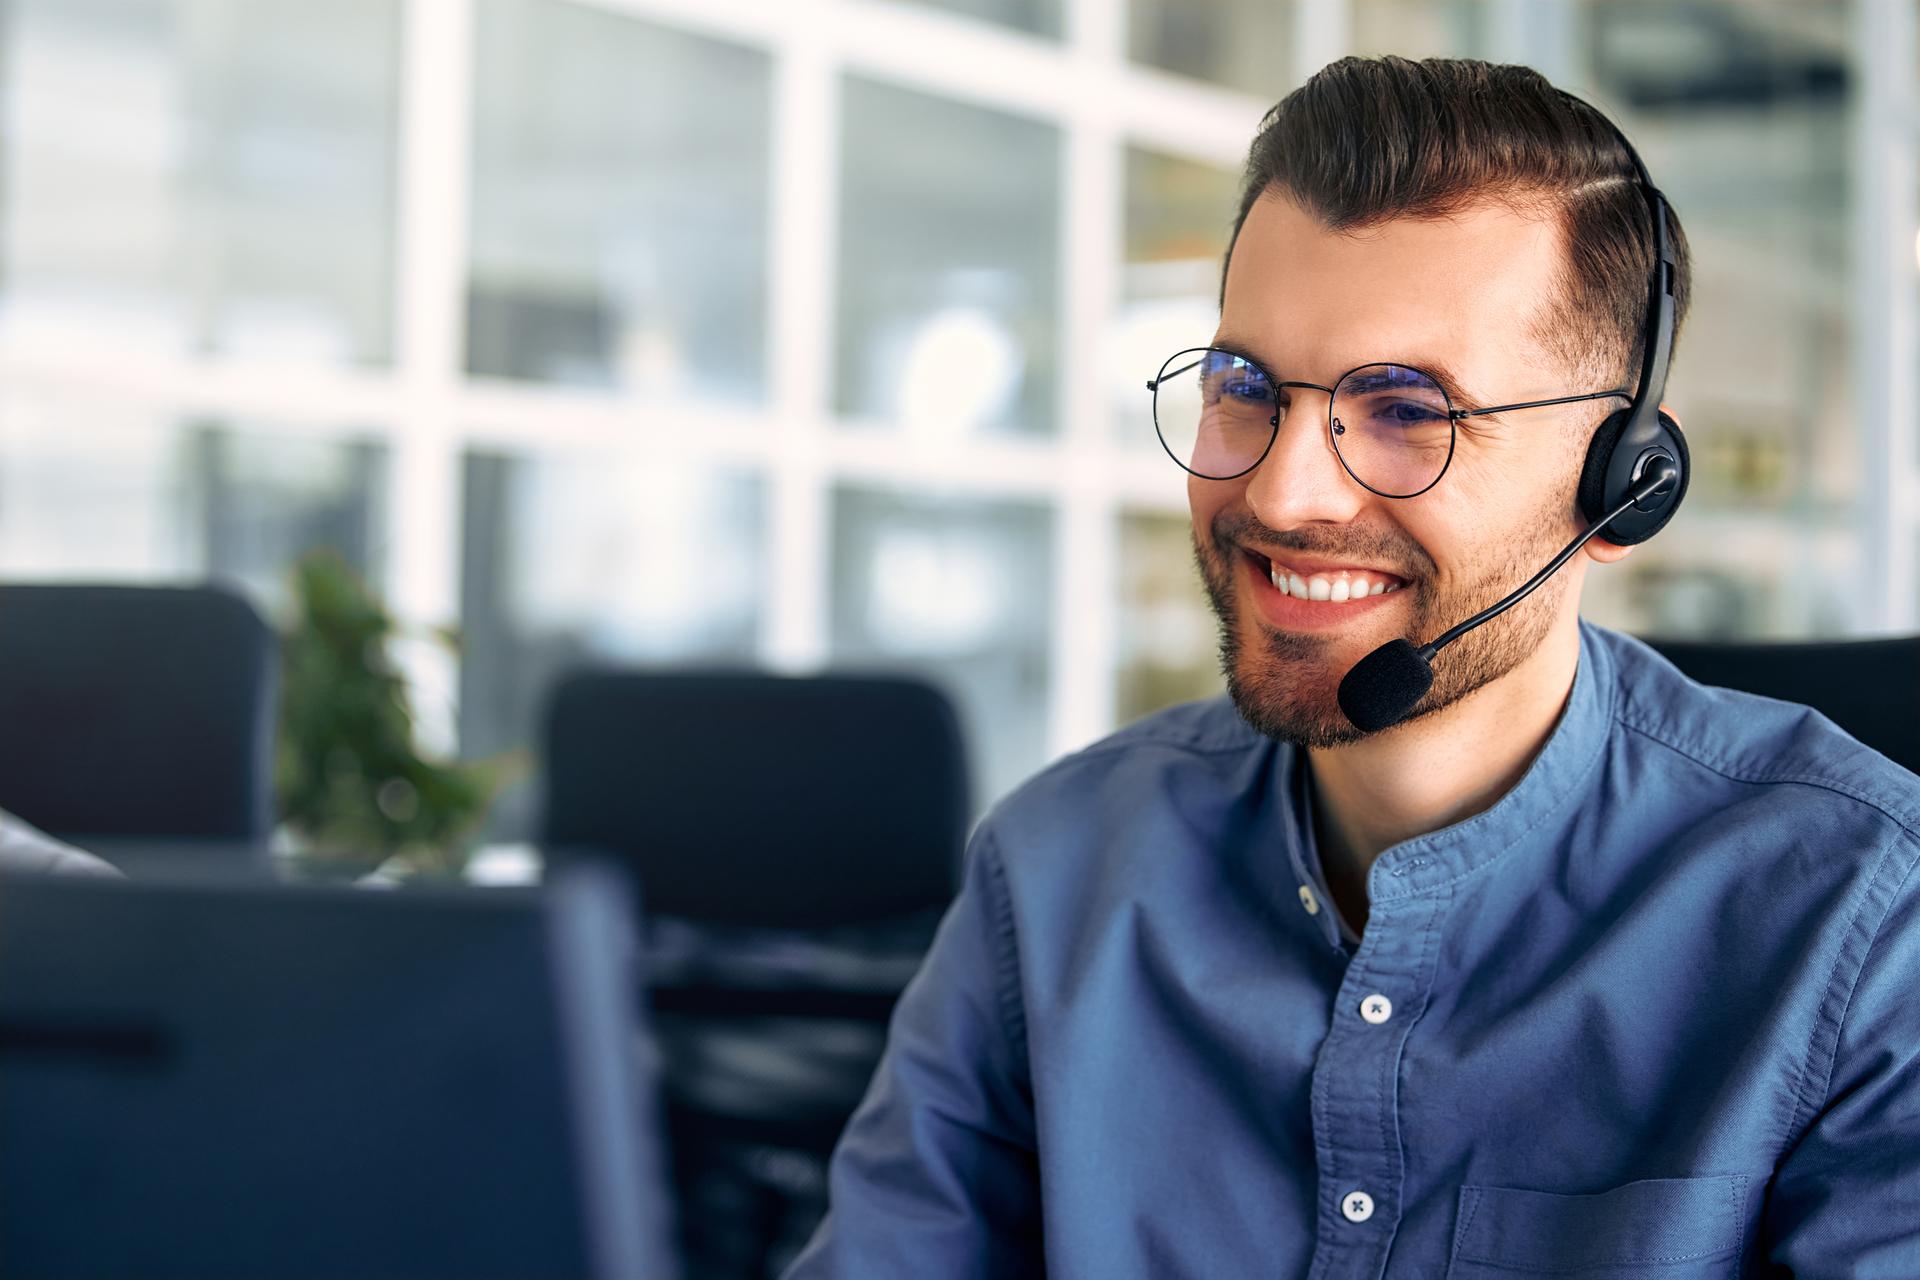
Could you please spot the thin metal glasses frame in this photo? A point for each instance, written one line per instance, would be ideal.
(1453, 415)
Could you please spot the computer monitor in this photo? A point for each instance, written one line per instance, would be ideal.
(226, 1081)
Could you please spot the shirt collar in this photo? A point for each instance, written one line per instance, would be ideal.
(1553, 783)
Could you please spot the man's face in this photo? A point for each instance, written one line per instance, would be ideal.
(1459, 295)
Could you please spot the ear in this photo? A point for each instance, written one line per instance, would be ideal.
(1598, 549)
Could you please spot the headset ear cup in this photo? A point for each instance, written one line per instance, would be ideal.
(1593, 475)
(1597, 496)
(1677, 440)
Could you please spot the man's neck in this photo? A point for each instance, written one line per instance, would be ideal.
(1438, 770)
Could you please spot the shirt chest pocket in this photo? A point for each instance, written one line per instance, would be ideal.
(1667, 1228)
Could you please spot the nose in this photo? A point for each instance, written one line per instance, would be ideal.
(1301, 481)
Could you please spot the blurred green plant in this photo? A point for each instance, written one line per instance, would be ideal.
(352, 785)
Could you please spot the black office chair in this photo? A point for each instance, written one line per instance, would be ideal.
(749, 799)
(137, 716)
(1870, 688)
(795, 841)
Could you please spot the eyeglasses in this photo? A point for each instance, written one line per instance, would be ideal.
(1392, 425)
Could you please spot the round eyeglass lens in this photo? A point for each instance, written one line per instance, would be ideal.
(1214, 411)
(1393, 428)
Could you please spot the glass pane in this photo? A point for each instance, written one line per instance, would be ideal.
(190, 176)
(620, 204)
(1240, 44)
(265, 500)
(956, 591)
(1042, 17)
(572, 559)
(1179, 214)
(949, 258)
(1169, 641)
(1740, 111)
(1424, 28)
(99, 491)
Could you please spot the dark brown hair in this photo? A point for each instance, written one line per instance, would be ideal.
(1369, 139)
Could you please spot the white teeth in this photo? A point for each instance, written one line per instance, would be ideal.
(1347, 586)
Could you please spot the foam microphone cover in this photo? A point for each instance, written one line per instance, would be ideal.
(1384, 685)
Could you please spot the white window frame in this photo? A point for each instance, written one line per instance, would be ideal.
(429, 412)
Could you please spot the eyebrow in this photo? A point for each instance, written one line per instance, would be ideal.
(1437, 370)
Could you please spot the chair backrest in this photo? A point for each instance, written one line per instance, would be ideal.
(1870, 688)
(137, 713)
(759, 799)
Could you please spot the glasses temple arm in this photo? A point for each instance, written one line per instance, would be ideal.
(1537, 404)
(1153, 384)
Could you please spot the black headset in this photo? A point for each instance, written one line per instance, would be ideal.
(1629, 440)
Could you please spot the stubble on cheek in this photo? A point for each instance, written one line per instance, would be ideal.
(1489, 652)
(1286, 685)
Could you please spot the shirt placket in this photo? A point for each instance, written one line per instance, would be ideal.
(1309, 885)
(1355, 1096)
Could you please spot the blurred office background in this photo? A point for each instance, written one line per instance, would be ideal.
(808, 335)
(813, 333)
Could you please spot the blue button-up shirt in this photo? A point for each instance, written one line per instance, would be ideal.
(1653, 1013)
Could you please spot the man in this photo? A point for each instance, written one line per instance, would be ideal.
(1582, 969)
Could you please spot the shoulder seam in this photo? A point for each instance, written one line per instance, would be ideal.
(1200, 744)
(1909, 823)
(1806, 1105)
(1006, 959)
(1853, 984)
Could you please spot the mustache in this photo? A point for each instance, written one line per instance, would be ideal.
(1399, 555)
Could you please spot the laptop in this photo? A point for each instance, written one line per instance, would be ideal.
(246, 1080)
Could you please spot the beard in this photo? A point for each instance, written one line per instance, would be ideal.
(1285, 684)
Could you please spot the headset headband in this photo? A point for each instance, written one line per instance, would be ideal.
(1656, 348)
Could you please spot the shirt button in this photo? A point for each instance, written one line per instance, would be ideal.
(1376, 1008)
(1358, 1206)
(1308, 901)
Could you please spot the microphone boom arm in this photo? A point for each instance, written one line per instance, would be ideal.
(1660, 473)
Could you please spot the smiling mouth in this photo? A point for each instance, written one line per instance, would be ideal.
(1336, 586)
